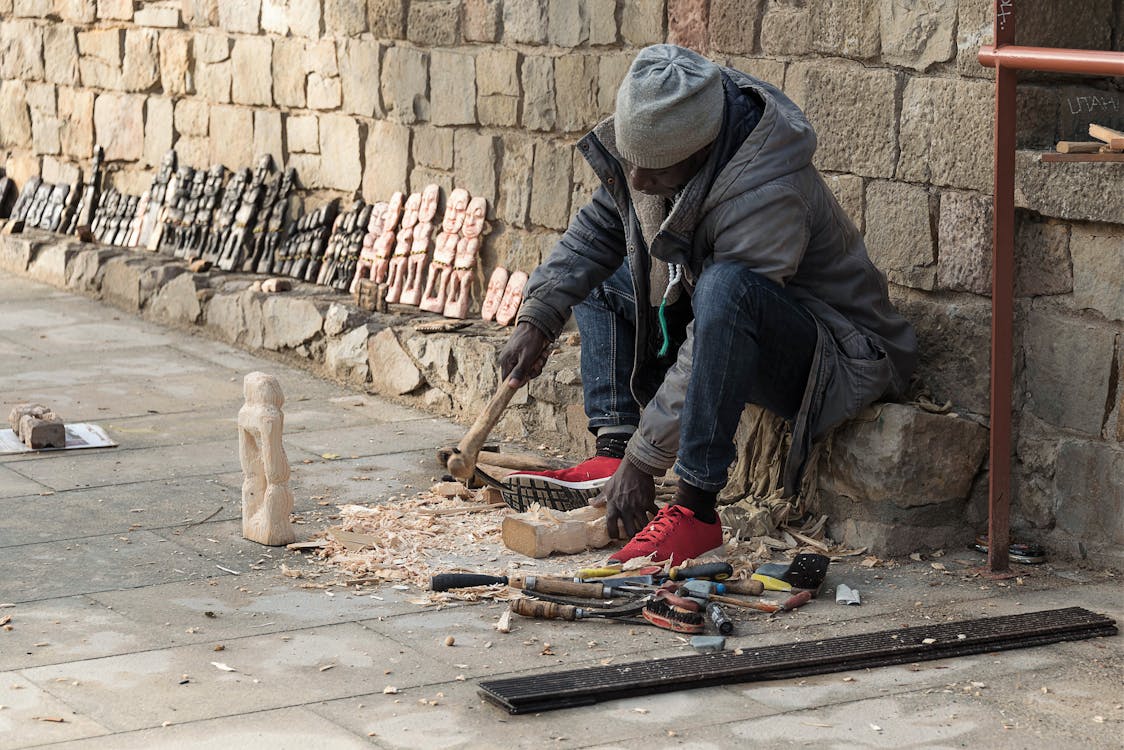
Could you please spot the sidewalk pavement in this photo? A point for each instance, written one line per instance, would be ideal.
(117, 578)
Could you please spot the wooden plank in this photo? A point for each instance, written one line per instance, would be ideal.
(1114, 138)
(1079, 147)
(1110, 157)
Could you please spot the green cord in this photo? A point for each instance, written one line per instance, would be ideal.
(663, 329)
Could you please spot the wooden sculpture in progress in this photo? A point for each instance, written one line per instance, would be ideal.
(401, 255)
(444, 252)
(267, 500)
(419, 247)
(459, 295)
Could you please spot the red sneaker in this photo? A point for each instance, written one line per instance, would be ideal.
(674, 534)
(562, 489)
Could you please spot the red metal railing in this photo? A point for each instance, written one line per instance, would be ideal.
(1007, 58)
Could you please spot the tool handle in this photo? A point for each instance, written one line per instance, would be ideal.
(463, 460)
(744, 586)
(544, 610)
(717, 615)
(446, 581)
(744, 603)
(558, 587)
(797, 600)
(682, 602)
(713, 571)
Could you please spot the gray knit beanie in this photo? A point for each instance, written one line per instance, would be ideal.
(668, 106)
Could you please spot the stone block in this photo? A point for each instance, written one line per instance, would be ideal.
(141, 68)
(611, 70)
(687, 22)
(481, 20)
(60, 54)
(324, 92)
(303, 133)
(275, 17)
(252, 62)
(1089, 486)
(119, 126)
(393, 371)
(289, 322)
(763, 68)
(917, 35)
(77, 11)
(387, 18)
(973, 30)
(212, 81)
(15, 254)
(177, 302)
(232, 134)
(240, 16)
(525, 22)
(550, 186)
(946, 133)
(850, 191)
(50, 262)
(345, 17)
(1098, 269)
(497, 87)
(642, 21)
(192, 117)
(175, 63)
(603, 28)
(433, 147)
(515, 180)
(421, 176)
(474, 162)
(55, 172)
(44, 121)
(899, 237)
(786, 31)
(452, 88)
(39, 432)
(539, 108)
(964, 243)
(578, 108)
(341, 163)
(159, 128)
(289, 72)
(308, 167)
(1080, 192)
(734, 25)
(852, 109)
(1042, 23)
(434, 23)
(120, 284)
(359, 68)
(115, 10)
(848, 28)
(387, 160)
(567, 23)
(33, 8)
(200, 13)
(1042, 265)
(100, 61)
(1069, 370)
(346, 358)
(1077, 108)
(158, 16)
(76, 122)
(321, 57)
(267, 135)
(404, 83)
(497, 110)
(212, 48)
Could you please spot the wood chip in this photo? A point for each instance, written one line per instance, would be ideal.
(224, 667)
(5, 619)
(313, 544)
(504, 623)
(53, 719)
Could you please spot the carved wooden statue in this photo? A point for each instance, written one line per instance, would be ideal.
(512, 298)
(496, 284)
(444, 252)
(384, 244)
(399, 260)
(459, 295)
(365, 266)
(267, 500)
(419, 247)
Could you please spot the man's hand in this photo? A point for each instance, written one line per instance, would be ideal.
(524, 355)
(629, 497)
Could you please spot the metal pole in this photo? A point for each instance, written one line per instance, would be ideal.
(1049, 60)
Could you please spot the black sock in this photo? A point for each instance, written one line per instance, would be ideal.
(612, 445)
(701, 502)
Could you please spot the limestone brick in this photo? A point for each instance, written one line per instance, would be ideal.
(898, 233)
(267, 135)
(192, 117)
(387, 159)
(602, 21)
(515, 180)
(433, 147)
(917, 34)
(200, 13)
(175, 63)
(642, 21)
(305, 18)
(251, 60)
(341, 164)
(55, 171)
(232, 136)
(567, 23)
(404, 84)
(1042, 264)
(852, 109)
(240, 16)
(973, 29)
(159, 128)
(115, 10)
(498, 110)
(786, 31)
(387, 18)
(452, 88)
(733, 25)
(359, 69)
(212, 48)
(497, 71)
(324, 92)
(289, 73)
(1098, 269)
(60, 54)
(345, 17)
(308, 167)
(525, 22)
(100, 63)
(303, 133)
(420, 176)
(393, 371)
(76, 121)
(434, 23)
(474, 163)
(213, 81)
(141, 68)
(1089, 487)
(275, 17)
(119, 126)
(1042, 23)
(964, 243)
(611, 70)
(550, 185)
(157, 16)
(194, 151)
(1068, 370)
(44, 118)
(1082, 192)
(687, 22)
(946, 133)
(77, 11)
(33, 8)
(848, 28)
(577, 101)
(850, 191)
(539, 108)
(481, 20)
(321, 57)
(763, 68)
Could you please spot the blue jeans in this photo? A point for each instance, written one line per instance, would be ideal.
(752, 344)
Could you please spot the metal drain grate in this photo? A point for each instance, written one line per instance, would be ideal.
(583, 687)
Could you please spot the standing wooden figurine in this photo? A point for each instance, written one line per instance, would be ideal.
(444, 252)
(459, 295)
(419, 247)
(267, 500)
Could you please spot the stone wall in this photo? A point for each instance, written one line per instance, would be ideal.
(382, 95)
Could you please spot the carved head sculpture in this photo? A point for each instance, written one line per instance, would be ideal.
(428, 209)
(378, 213)
(260, 388)
(410, 210)
(454, 211)
(474, 217)
(393, 212)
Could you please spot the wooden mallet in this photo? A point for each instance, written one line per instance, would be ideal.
(462, 461)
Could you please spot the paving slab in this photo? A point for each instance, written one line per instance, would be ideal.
(14, 484)
(377, 440)
(29, 710)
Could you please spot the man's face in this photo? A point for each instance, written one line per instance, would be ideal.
(668, 181)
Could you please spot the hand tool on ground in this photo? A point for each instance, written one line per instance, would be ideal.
(462, 462)
(698, 587)
(570, 588)
(446, 581)
(717, 571)
(491, 455)
(717, 615)
(551, 611)
(794, 601)
(587, 573)
(806, 572)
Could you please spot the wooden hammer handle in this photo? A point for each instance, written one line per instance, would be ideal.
(544, 610)
(463, 461)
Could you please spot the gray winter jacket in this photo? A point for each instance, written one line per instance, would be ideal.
(761, 203)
